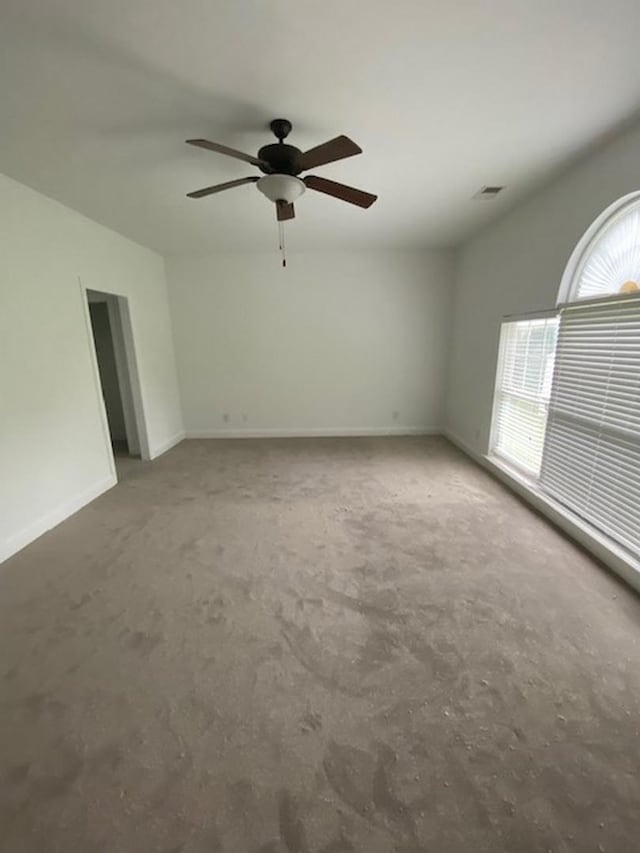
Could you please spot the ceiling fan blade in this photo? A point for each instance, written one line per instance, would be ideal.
(341, 191)
(224, 149)
(328, 152)
(285, 211)
(218, 188)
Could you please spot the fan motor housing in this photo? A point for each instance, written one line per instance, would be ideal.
(281, 158)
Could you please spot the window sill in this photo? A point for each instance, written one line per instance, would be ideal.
(616, 558)
(619, 560)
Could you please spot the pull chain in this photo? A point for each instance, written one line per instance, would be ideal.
(281, 243)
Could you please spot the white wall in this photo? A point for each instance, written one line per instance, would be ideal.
(336, 343)
(53, 452)
(515, 266)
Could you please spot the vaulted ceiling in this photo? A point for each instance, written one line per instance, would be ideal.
(98, 96)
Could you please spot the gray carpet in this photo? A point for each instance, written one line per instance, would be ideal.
(315, 646)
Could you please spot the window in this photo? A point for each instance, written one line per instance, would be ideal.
(611, 265)
(523, 388)
(567, 401)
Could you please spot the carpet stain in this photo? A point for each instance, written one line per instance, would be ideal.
(291, 827)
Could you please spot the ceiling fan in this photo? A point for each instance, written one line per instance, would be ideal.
(282, 163)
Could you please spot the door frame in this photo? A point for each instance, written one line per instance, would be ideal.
(121, 324)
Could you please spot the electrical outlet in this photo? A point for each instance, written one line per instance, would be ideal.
(225, 418)
(395, 415)
(244, 418)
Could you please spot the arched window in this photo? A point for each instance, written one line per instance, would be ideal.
(578, 436)
(606, 261)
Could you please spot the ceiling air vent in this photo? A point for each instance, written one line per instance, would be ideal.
(487, 193)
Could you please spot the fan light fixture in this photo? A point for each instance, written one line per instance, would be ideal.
(286, 188)
(280, 164)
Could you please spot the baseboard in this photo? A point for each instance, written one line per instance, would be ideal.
(462, 445)
(618, 560)
(322, 432)
(51, 519)
(167, 445)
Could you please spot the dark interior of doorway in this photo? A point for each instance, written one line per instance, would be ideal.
(114, 373)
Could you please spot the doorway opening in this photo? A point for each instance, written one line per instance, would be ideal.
(113, 344)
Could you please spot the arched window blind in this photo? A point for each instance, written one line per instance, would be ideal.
(612, 265)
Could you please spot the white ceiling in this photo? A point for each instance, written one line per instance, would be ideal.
(98, 96)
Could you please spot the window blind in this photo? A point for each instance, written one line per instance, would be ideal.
(591, 460)
(523, 386)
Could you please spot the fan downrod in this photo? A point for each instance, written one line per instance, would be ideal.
(281, 128)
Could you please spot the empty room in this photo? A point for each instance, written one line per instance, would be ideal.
(319, 426)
